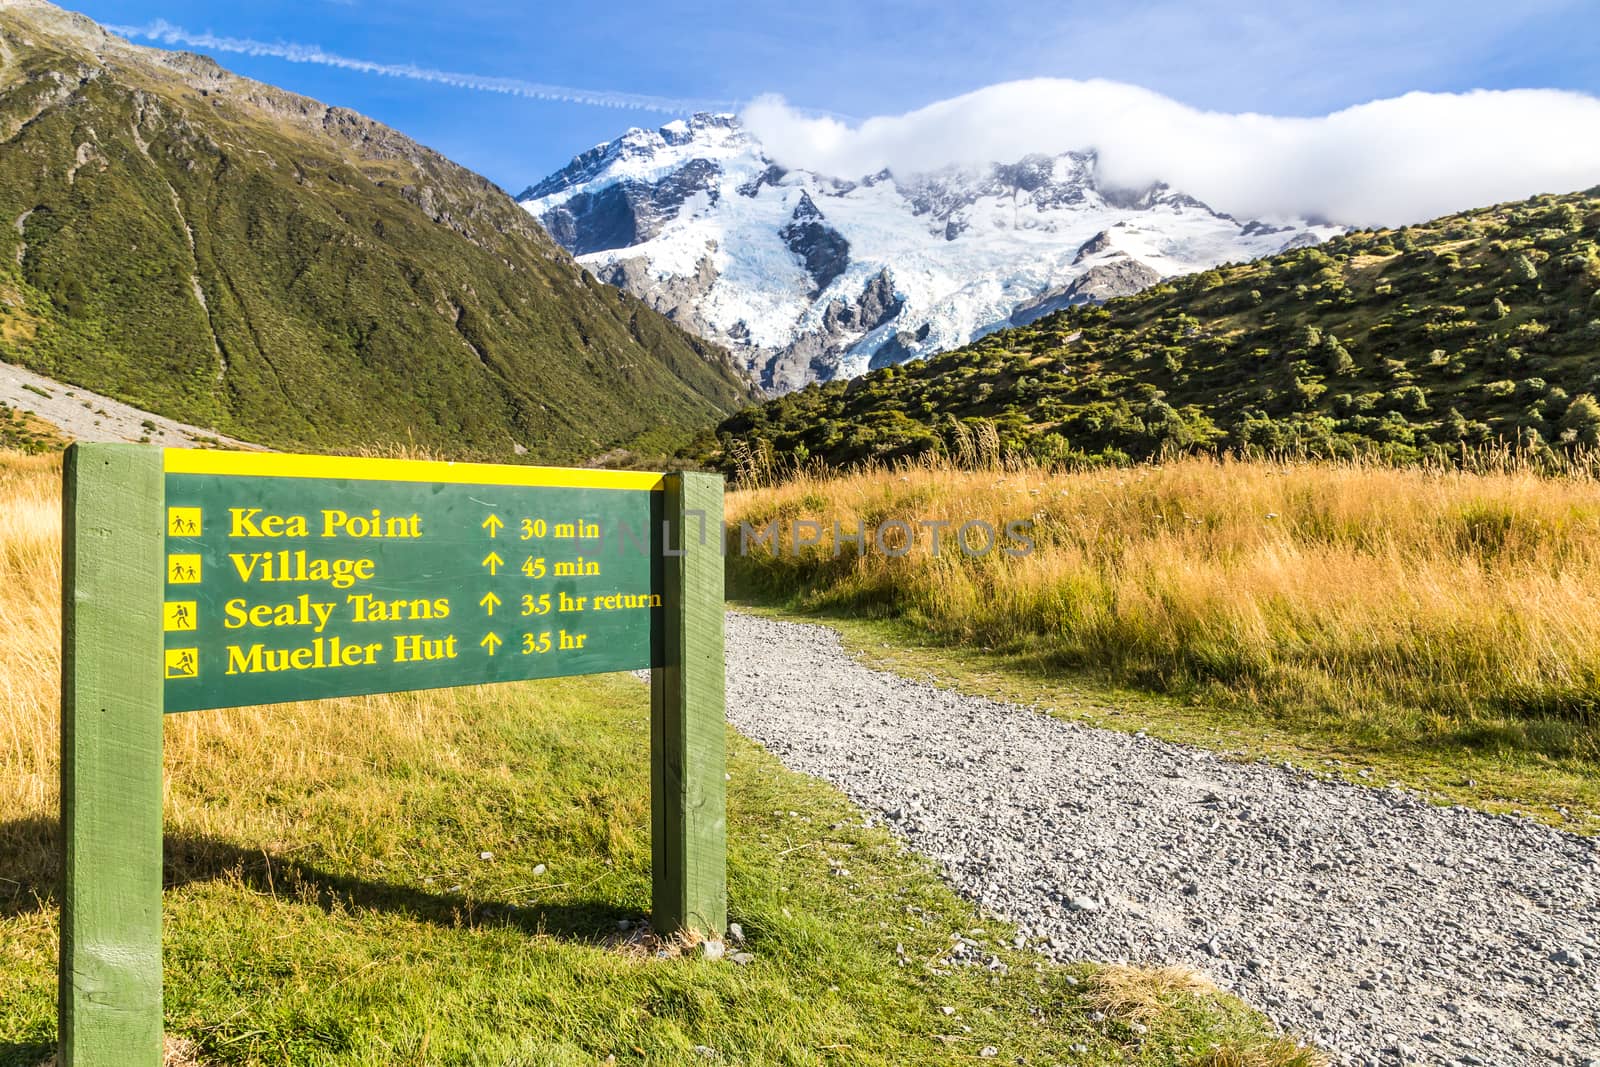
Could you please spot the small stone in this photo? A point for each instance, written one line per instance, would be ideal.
(486, 855)
(742, 958)
(539, 869)
(947, 1010)
(713, 950)
(988, 1052)
(1567, 957)
(1083, 904)
(735, 932)
(706, 1052)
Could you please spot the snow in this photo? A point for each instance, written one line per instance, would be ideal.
(1011, 250)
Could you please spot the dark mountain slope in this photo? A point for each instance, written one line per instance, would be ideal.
(1471, 330)
(239, 257)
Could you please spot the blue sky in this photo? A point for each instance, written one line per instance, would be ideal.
(1285, 57)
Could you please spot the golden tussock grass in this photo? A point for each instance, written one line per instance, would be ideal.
(1156, 996)
(1139, 994)
(1445, 606)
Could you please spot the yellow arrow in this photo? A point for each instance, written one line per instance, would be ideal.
(493, 561)
(489, 602)
(493, 524)
(491, 642)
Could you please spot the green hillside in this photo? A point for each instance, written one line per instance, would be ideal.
(1471, 331)
(235, 256)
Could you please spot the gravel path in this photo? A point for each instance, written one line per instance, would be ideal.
(1387, 930)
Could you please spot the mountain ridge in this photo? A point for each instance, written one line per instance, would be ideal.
(785, 267)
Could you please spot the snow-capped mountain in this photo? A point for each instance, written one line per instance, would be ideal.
(806, 276)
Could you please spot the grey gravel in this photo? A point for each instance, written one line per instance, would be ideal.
(1384, 929)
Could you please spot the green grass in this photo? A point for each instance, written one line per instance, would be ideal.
(327, 904)
(1503, 779)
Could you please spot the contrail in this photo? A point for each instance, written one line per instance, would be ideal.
(166, 33)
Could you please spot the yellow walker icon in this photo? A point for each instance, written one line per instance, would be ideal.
(178, 615)
(183, 522)
(183, 663)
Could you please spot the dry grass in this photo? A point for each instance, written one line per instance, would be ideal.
(1152, 996)
(1140, 994)
(1442, 607)
(1283, 1052)
(30, 629)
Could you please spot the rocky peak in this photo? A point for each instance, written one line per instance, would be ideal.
(806, 209)
(823, 250)
(807, 275)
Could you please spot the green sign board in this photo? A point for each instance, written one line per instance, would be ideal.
(196, 580)
(289, 578)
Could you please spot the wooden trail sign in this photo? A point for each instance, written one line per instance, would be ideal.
(197, 579)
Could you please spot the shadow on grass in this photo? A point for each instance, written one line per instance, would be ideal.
(32, 880)
(27, 1053)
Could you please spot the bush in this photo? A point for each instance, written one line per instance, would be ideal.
(1582, 420)
(1409, 399)
(1337, 357)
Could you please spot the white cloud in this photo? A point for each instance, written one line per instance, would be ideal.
(166, 33)
(1388, 162)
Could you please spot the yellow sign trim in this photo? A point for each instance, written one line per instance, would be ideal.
(286, 465)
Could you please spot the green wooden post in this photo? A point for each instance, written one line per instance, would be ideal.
(111, 711)
(688, 756)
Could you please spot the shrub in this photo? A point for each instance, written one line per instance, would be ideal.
(1337, 357)
(1409, 399)
(1582, 419)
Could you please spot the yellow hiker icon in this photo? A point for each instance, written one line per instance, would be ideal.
(178, 615)
(183, 570)
(183, 663)
(183, 522)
